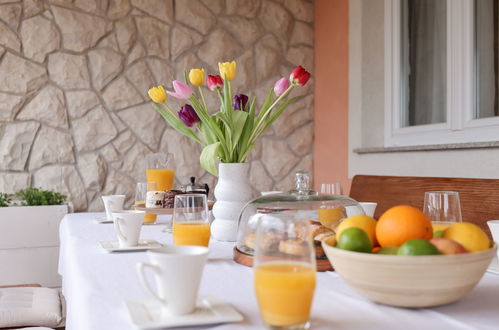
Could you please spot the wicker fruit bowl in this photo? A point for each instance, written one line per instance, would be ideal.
(410, 281)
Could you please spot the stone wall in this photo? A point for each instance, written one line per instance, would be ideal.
(74, 75)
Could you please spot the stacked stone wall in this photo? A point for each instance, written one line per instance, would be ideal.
(74, 75)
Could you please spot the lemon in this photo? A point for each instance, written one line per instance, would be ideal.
(361, 221)
(417, 247)
(469, 235)
(355, 239)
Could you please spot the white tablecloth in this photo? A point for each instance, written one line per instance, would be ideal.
(96, 285)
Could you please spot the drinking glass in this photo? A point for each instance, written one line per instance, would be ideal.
(140, 198)
(332, 188)
(191, 221)
(284, 270)
(159, 169)
(443, 208)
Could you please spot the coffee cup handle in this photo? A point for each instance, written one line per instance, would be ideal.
(118, 220)
(109, 207)
(141, 266)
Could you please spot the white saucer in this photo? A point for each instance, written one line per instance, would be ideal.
(144, 244)
(210, 310)
(103, 219)
(494, 266)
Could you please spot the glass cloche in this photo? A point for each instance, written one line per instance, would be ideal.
(324, 211)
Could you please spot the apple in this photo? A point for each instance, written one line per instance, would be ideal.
(447, 246)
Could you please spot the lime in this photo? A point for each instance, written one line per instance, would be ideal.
(355, 239)
(438, 233)
(364, 222)
(388, 250)
(417, 247)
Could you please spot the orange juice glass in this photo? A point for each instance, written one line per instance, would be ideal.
(191, 233)
(191, 222)
(164, 181)
(285, 292)
(162, 177)
(330, 217)
(284, 270)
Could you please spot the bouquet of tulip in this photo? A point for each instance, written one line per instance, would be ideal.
(230, 134)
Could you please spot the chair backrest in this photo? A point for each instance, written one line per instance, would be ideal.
(479, 197)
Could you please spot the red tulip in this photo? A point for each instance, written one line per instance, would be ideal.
(214, 82)
(299, 76)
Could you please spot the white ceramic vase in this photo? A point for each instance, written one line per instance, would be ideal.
(232, 192)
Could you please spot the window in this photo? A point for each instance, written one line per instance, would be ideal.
(441, 71)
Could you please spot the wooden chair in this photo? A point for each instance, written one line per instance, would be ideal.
(479, 197)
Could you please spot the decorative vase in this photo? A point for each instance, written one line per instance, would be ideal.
(232, 192)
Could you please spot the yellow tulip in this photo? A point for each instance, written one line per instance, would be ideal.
(196, 77)
(157, 94)
(227, 70)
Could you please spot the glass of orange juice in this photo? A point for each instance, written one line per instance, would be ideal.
(159, 169)
(443, 208)
(191, 221)
(284, 270)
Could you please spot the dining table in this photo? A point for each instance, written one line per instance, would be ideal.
(96, 285)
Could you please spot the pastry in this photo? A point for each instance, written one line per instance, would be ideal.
(270, 241)
(297, 247)
(169, 198)
(154, 199)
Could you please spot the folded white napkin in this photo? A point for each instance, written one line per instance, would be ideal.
(30, 306)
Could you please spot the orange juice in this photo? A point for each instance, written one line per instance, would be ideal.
(330, 217)
(162, 177)
(191, 233)
(285, 292)
(441, 225)
(164, 181)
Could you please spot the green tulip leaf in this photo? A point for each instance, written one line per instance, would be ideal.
(238, 122)
(208, 158)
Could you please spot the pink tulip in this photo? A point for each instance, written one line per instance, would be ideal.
(281, 86)
(182, 91)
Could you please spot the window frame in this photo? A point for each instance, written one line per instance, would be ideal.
(460, 126)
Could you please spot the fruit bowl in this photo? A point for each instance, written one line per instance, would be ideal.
(410, 281)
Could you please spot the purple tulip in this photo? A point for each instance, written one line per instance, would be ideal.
(188, 115)
(239, 101)
(182, 91)
(281, 86)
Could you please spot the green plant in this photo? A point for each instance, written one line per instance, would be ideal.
(4, 199)
(36, 196)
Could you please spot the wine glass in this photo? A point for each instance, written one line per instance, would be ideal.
(140, 198)
(284, 270)
(191, 221)
(443, 208)
(332, 188)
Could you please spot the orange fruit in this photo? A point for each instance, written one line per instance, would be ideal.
(402, 223)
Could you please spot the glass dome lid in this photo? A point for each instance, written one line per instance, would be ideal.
(323, 210)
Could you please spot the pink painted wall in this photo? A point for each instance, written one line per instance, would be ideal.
(331, 93)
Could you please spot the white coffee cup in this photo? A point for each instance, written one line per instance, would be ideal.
(368, 208)
(113, 203)
(494, 229)
(128, 225)
(178, 271)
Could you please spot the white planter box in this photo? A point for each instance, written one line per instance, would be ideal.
(29, 244)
